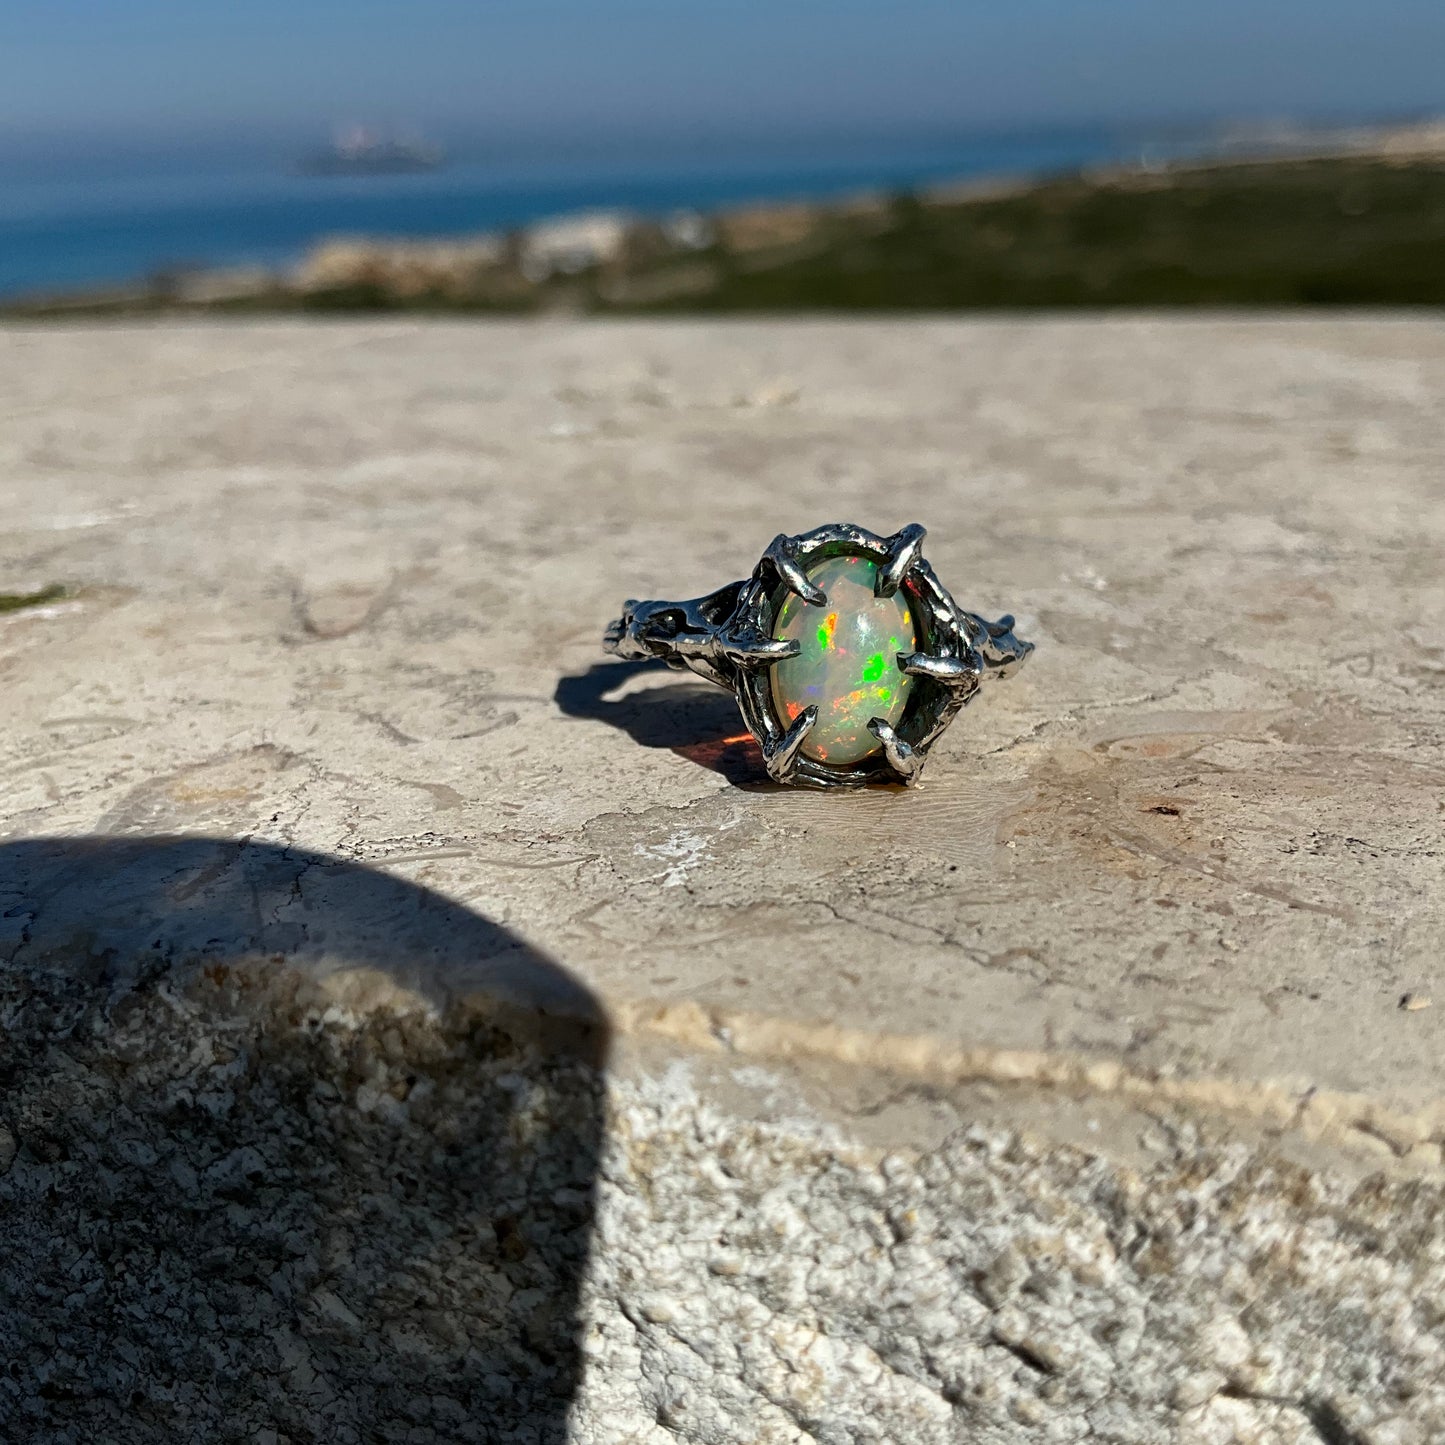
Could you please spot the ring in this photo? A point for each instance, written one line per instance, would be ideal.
(847, 655)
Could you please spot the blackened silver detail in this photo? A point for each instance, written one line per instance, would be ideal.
(727, 638)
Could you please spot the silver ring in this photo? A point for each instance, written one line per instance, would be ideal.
(847, 655)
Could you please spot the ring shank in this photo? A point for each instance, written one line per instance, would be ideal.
(682, 634)
(1002, 653)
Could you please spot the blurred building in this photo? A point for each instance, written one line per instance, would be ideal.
(571, 244)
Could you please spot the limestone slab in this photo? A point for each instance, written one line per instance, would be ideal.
(334, 601)
(1200, 833)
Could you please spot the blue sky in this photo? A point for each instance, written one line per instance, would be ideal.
(138, 74)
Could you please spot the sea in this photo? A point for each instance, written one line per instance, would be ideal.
(72, 231)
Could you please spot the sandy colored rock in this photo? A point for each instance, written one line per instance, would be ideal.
(1069, 1095)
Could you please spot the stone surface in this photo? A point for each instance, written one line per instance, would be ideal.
(847, 662)
(414, 1035)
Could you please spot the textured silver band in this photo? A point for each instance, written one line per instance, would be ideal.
(727, 638)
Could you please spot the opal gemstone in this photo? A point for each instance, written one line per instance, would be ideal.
(847, 662)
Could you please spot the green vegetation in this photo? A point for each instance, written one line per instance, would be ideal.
(1315, 233)
(15, 601)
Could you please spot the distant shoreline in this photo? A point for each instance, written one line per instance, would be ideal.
(1354, 217)
(67, 237)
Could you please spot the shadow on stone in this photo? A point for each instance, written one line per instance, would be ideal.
(689, 717)
(290, 1149)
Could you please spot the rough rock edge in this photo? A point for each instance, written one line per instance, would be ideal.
(1351, 1122)
(236, 1208)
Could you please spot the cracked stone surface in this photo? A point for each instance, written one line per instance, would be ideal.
(420, 1027)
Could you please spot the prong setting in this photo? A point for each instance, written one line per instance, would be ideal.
(953, 672)
(747, 647)
(728, 638)
(948, 660)
(905, 761)
(783, 554)
(781, 758)
(903, 550)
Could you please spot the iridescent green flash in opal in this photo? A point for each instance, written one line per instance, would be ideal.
(847, 664)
